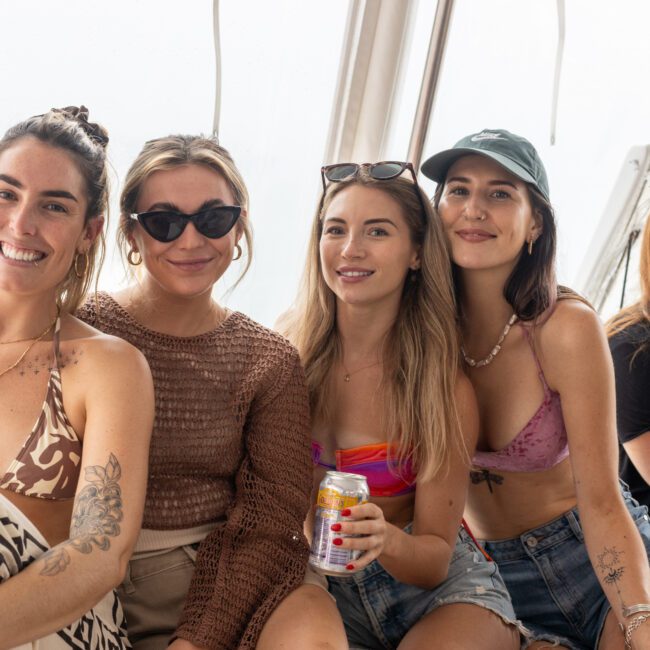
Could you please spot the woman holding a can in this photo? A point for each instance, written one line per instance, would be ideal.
(222, 547)
(375, 327)
(545, 492)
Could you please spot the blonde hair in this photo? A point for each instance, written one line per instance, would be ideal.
(69, 129)
(175, 151)
(640, 310)
(421, 352)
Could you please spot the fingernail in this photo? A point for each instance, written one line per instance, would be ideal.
(335, 527)
(349, 567)
(346, 512)
(337, 541)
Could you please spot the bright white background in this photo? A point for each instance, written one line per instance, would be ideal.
(145, 68)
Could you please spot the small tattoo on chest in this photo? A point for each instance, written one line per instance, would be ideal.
(43, 362)
(479, 475)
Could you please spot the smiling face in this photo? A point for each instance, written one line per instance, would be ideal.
(487, 213)
(366, 248)
(190, 265)
(43, 207)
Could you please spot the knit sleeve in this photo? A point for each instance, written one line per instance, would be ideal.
(248, 565)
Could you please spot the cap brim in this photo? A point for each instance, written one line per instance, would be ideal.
(437, 166)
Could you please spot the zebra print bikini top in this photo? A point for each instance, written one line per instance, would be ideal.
(47, 466)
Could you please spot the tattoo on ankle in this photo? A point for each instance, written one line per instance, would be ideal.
(480, 475)
(95, 519)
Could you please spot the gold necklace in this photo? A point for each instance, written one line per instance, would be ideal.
(495, 350)
(347, 375)
(29, 347)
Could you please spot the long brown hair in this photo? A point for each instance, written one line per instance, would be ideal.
(640, 310)
(69, 129)
(421, 353)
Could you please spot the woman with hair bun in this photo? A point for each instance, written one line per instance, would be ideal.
(222, 547)
(571, 545)
(77, 405)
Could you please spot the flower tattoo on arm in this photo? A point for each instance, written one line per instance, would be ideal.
(95, 519)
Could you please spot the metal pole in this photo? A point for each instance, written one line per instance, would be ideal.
(430, 80)
(217, 61)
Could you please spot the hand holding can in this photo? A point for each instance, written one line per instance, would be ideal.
(338, 492)
(362, 528)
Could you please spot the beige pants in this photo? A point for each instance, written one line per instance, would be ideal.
(153, 594)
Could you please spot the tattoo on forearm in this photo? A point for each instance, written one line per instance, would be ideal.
(611, 568)
(95, 519)
(480, 475)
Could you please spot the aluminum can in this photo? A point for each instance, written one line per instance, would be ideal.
(337, 491)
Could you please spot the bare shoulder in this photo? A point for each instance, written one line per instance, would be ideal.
(572, 347)
(102, 352)
(573, 326)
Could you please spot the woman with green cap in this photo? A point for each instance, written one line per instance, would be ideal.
(570, 543)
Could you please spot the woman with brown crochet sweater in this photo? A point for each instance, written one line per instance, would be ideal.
(222, 546)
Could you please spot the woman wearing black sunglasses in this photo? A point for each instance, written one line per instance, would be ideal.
(222, 546)
(375, 326)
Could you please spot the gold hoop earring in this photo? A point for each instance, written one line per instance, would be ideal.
(239, 252)
(81, 274)
(130, 257)
(530, 246)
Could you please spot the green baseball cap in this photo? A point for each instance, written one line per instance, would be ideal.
(511, 151)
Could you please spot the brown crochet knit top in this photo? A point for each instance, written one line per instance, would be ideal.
(230, 444)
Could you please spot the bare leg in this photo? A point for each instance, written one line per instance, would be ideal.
(461, 626)
(307, 619)
(612, 637)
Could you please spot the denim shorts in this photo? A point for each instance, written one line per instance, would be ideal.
(554, 588)
(378, 611)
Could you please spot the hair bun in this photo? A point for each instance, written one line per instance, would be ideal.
(79, 114)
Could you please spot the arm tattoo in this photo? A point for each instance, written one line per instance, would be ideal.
(95, 519)
(480, 475)
(611, 568)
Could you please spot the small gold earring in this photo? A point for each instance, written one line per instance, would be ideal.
(239, 252)
(77, 272)
(130, 257)
(530, 245)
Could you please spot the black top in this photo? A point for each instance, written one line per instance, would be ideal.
(631, 353)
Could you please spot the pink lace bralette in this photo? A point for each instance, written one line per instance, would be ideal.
(541, 444)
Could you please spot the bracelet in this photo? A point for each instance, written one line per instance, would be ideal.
(636, 622)
(635, 609)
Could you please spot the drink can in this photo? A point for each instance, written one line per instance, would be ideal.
(337, 491)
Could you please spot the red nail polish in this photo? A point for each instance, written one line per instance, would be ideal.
(335, 527)
(346, 512)
(337, 541)
(349, 567)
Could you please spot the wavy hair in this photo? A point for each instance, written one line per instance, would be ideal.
(69, 129)
(421, 351)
